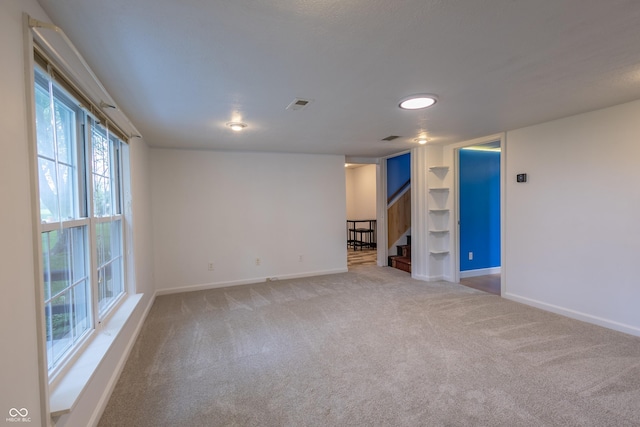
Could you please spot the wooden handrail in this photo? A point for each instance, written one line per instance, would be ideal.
(399, 190)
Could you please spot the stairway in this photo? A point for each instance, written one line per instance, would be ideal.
(402, 261)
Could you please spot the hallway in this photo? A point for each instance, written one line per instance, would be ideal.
(364, 257)
(489, 283)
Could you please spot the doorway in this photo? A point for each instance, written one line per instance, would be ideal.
(361, 222)
(479, 222)
(397, 205)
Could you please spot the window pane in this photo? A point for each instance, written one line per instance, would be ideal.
(102, 240)
(49, 327)
(67, 191)
(67, 299)
(116, 277)
(65, 131)
(117, 286)
(48, 190)
(46, 270)
(78, 254)
(101, 196)
(59, 258)
(44, 130)
(101, 163)
(81, 309)
(61, 336)
(57, 155)
(116, 178)
(110, 279)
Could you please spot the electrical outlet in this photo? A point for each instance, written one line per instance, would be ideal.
(257, 261)
(470, 256)
(300, 258)
(210, 266)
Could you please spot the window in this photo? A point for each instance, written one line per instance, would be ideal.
(81, 218)
(105, 173)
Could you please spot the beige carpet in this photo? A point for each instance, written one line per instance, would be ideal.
(371, 347)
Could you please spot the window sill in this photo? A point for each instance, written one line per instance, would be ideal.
(68, 389)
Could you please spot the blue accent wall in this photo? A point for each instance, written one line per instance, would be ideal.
(479, 209)
(398, 172)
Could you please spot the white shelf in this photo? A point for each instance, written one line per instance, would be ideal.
(439, 235)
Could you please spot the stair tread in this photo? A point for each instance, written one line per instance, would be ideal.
(402, 261)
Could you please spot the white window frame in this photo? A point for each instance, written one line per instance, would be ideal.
(102, 315)
(84, 216)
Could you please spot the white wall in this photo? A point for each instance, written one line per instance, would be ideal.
(19, 365)
(572, 231)
(231, 208)
(361, 192)
(19, 368)
(139, 155)
(348, 175)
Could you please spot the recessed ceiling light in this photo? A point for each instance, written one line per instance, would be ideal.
(422, 140)
(237, 126)
(418, 102)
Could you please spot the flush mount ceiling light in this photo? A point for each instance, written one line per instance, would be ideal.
(418, 102)
(422, 140)
(236, 126)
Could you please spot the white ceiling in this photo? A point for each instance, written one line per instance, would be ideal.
(182, 69)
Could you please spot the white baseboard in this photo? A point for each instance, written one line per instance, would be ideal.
(610, 324)
(480, 272)
(215, 285)
(310, 274)
(428, 278)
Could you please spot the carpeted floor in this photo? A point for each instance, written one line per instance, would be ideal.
(371, 347)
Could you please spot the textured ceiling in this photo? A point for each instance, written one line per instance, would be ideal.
(181, 70)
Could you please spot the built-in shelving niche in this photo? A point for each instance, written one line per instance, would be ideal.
(439, 214)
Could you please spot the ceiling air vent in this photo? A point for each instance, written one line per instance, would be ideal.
(298, 104)
(390, 138)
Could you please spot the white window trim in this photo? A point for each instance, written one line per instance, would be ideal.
(90, 222)
(65, 392)
(60, 394)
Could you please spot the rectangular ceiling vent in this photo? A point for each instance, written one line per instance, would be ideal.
(298, 104)
(390, 138)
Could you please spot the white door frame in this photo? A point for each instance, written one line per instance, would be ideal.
(451, 157)
(381, 188)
